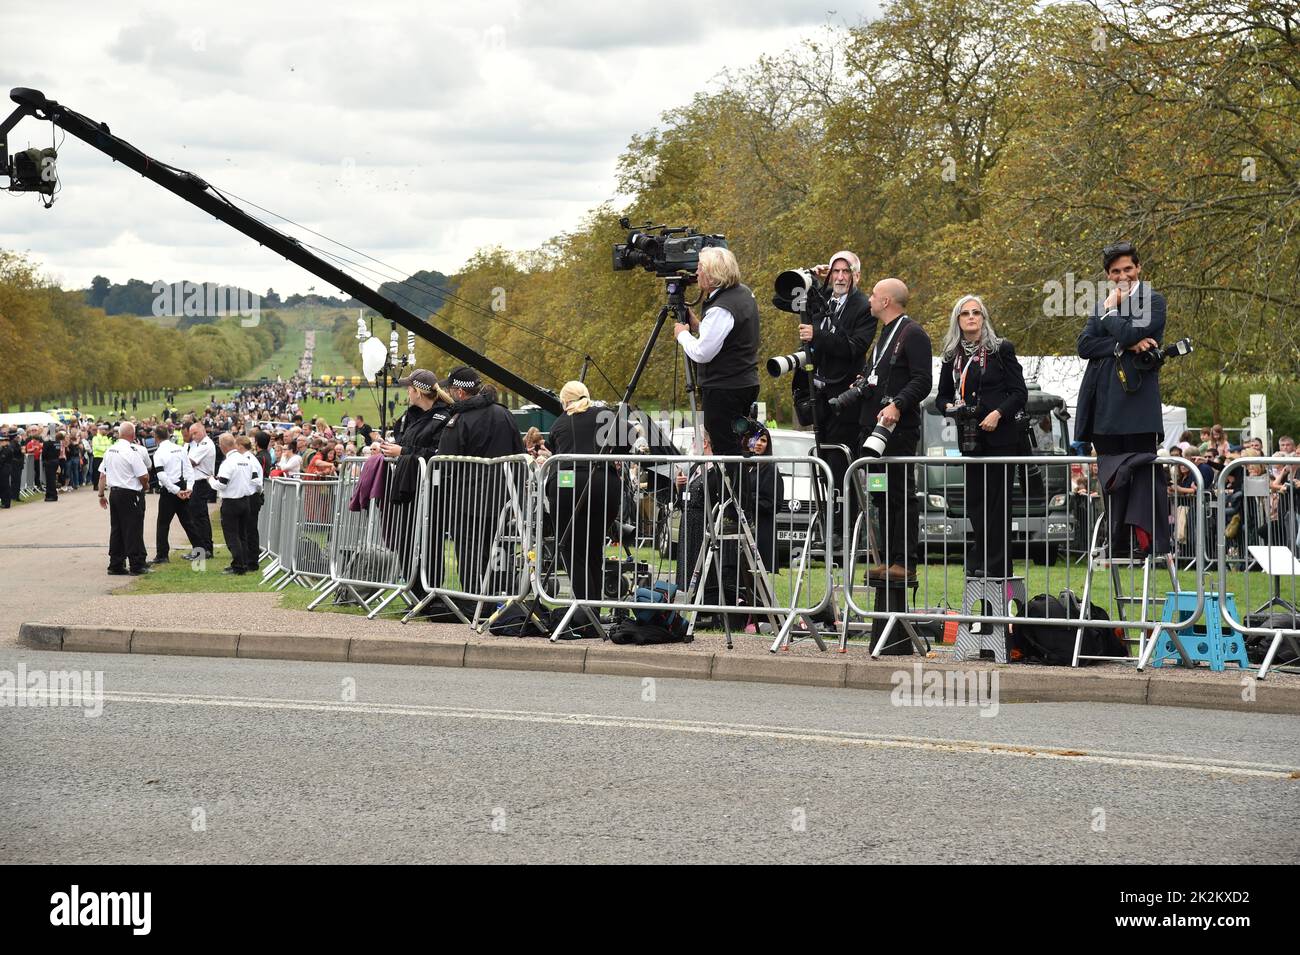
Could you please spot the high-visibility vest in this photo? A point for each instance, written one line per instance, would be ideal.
(99, 444)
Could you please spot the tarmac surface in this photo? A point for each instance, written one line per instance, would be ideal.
(224, 760)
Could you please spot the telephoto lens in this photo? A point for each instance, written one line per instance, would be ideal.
(784, 364)
(874, 446)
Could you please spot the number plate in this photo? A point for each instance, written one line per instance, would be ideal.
(1015, 525)
(789, 535)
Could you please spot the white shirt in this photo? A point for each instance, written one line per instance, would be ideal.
(292, 463)
(240, 476)
(203, 458)
(715, 326)
(123, 466)
(173, 465)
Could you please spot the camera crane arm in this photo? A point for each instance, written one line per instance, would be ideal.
(197, 192)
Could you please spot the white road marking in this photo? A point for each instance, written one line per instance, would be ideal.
(745, 730)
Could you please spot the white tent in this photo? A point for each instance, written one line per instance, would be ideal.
(24, 419)
(1063, 375)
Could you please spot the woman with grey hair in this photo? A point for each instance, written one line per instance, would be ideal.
(982, 389)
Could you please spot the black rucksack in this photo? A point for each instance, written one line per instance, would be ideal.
(1054, 645)
(631, 631)
(518, 620)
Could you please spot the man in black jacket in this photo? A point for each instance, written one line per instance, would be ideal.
(470, 497)
(898, 379)
(837, 343)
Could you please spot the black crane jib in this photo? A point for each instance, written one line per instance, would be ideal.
(197, 192)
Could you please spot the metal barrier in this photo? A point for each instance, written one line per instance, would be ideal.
(1258, 535)
(937, 513)
(266, 515)
(27, 483)
(310, 515)
(373, 543)
(281, 517)
(705, 554)
(475, 530)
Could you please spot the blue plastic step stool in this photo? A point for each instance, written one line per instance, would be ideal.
(1204, 642)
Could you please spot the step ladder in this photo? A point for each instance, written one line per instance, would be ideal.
(1121, 602)
(1199, 643)
(995, 594)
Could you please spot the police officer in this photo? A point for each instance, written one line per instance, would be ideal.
(175, 476)
(238, 480)
(11, 468)
(100, 443)
(50, 463)
(202, 454)
(122, 482)
(419, 429)
(478, 427)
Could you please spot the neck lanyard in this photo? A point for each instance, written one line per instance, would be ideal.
(882, 348)
(982, 356)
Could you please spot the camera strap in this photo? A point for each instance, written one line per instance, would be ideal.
(981, 355)
(882, 349)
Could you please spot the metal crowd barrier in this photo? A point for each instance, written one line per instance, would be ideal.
(1260, 542)
(27, 483)
(374, 540)
(474, 534)
(280, 519)
(307, 531)
(729, 536)
(266, 515)
(949, 507)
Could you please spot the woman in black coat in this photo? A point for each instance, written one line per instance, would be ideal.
(584, 496)
(980, 372)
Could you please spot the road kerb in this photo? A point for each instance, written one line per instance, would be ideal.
(97, 639)
(776, 669)
(637, 661)
(199, 643)
(42, 636)
(394, 650)
(328, 648)
(517, 655)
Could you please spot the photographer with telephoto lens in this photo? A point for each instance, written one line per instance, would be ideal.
(982, 388)
(898, 379)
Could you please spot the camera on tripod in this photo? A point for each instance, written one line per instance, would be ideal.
(667, 251)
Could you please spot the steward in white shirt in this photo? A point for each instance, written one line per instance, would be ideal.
(239, 479)
(123, 477)
(171, 464)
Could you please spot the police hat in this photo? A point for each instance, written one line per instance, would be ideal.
(421, 380)
(466, 378)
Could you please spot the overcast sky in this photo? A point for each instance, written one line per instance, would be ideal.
(416, 132)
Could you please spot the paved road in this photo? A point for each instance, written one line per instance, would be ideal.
(52, 558)
(212, 760)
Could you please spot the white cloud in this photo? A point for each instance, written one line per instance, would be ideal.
(416, 132)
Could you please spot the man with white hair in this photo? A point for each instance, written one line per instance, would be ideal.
(726, 351)
(123, 478)
(202, 454)
(837, 341)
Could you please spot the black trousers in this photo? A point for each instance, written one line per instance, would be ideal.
(253, 540)
(170, 506)
(722, 407)
(581, 524)
(834, 430)
(896, 506)
(11, 479)
(51, 479)
(126, 529)
(988, 504)
(200, 522)
(236, 512)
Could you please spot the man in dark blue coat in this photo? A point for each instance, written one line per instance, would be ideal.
(1119, 408)
(1119, 404)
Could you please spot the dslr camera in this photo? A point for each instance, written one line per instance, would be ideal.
(1153, 358)
(967, 420)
